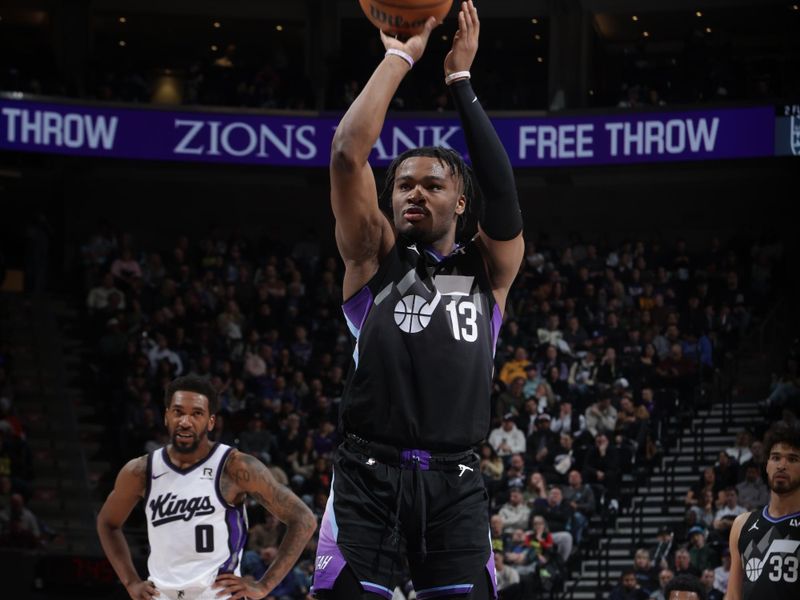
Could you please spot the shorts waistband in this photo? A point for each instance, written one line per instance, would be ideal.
(409, 458)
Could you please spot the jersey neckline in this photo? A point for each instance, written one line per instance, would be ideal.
(177, 469)
(771, 519)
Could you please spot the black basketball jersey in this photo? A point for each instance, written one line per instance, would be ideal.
(425, 329)
(770, 551)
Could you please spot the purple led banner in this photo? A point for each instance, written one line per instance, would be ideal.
(291, 140)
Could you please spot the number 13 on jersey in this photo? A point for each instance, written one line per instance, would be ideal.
(463, 311)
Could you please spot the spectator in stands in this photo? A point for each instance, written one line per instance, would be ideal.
(532, 382)
(707, 483)
(552, 360)
(707, 581)
(558, 515)
(602, 470)
(740, 451)
(701, 555)
(507, 439)
(526, 422)
(582, 376)
(126, 268)
(628, 588)
(499, 538)
(536, 489)
(609, 369)
(683, 563)
(723, 519)
(512, 400)
(752, 492)
(722, 573)
(491, 463)
(568, 421)
(99, 298)
(515, 367)
(726, 472)
(705, 510)
(515, 512)
(665, 575)
(542, 444)
(19, 527)
(581, 499)
(646, 574)
(565, 459)
(506, 576)
(160, 351)
(601, 416)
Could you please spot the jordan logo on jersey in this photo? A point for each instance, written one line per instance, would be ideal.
(168, 508)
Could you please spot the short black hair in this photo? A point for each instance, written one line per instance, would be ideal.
(192, 383)
(446, 156)
(780, 433)
(685, 583)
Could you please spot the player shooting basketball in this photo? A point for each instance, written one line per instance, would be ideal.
(425, 314)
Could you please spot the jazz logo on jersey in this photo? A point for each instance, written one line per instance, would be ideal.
(781, 560)
(168, 508)
(412, 313)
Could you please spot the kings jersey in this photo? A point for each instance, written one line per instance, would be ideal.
(194, 533)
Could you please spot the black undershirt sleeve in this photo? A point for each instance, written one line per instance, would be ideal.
(501, 219)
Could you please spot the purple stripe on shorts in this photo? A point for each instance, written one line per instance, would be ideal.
(492, 573)
(465, 588)
(330, 561)
(357, 307)
(415, 459)
(497, 322)
(377, 589)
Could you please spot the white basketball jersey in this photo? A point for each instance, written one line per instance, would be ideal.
(194, 533)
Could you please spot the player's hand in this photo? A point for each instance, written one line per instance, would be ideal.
(465, 42)
(234, 587)
(142, 590)
(415, 45)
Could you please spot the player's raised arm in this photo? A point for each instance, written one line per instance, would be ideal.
(128, 490)
(248, 475)
(735, 578)
(363, 234)
(500, 227)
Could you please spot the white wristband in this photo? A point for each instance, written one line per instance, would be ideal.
(457, 75)
(404, 55)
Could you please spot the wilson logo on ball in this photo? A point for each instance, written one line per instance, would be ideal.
(404, 17)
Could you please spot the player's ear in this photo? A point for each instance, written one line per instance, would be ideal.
(461, 204)
(211, 422)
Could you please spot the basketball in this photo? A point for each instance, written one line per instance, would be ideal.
(404, 17)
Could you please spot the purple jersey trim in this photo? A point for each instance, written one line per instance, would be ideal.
(497, 322)
(356, 309)
(171, 465)
(765, 514)
(377, 589)
(465, 588)
(237, 534)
